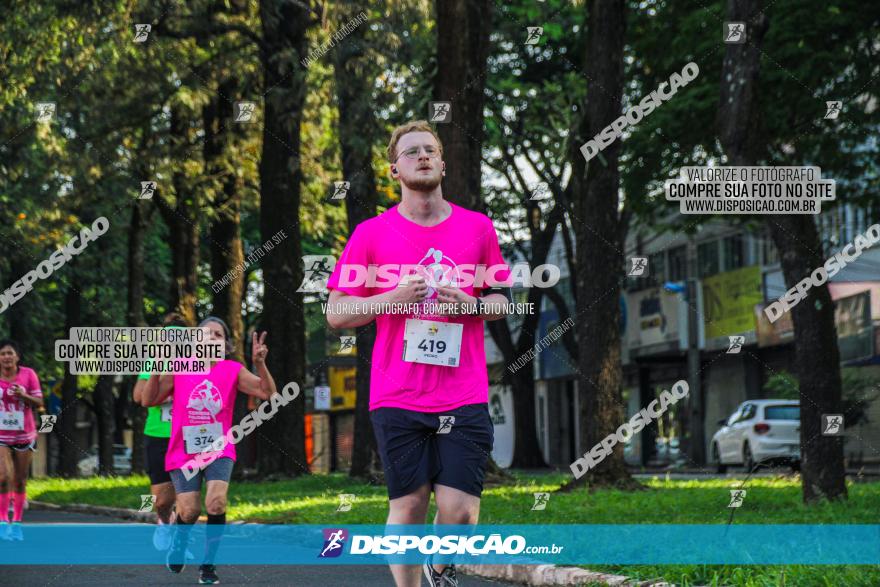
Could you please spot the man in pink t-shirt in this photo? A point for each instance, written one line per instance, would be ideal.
(420, 269)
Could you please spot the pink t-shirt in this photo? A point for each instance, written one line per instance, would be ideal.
(14, 411)
(455, 247)
(202, 400)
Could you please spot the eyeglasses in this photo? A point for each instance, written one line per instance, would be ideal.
(413, 152)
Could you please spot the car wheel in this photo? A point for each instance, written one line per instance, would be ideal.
(716, 454)
(748, 459)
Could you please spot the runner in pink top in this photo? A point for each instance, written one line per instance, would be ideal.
(454, 248)
(20, 395)
(203, 401)
(428, 380)
(202, 415)
(15, 429)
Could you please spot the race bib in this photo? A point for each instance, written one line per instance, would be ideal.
(12, 420)
(166, 412)
(432, 343)
(199, 438)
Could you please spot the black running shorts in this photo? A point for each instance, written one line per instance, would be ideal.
(154, 459)
(447, 448)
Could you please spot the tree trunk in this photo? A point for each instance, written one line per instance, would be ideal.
(526, 449)
(17, 314)
(648, 435)
(463, 28)
(817, 358)
(103, 400)
(183, 228)
(134, 314)
(227, 256)
(122, 405)
(599, 244)
(355, 74)
(69, 452)
(284, 24)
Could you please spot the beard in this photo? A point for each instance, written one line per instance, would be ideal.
(422, 183)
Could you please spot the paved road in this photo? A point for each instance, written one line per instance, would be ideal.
(299, 575)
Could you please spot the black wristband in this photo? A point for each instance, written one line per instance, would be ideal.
(505, 291)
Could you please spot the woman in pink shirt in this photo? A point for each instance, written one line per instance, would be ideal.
(202, 414)
(20, 395)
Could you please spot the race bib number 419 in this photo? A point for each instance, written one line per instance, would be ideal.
(432, 343)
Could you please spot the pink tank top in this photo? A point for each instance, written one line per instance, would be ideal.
(202, 411)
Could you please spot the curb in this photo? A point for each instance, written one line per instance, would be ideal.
(101, 510)
(124, 513)
(546, 575)
(537, 575)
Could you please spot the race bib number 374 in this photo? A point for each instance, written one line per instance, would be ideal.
(198, 438)
(432, 343)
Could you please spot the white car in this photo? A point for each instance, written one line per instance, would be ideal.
(763, 430)
(121, 461)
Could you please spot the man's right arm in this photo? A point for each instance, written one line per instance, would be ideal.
(347, 311)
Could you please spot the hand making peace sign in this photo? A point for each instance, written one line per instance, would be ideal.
(259, 350)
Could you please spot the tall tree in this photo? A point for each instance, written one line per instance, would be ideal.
(69, 452)
(817, 358)
(599, 228)
(227, 255)
(137, 228)
(283, 46)
(777, 120)
(462, 49)
(182, 216)
(463, 34)
(355, 71)
(102, 398)
(529, 94)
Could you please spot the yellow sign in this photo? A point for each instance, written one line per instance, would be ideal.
(729, 301)
(343, 390)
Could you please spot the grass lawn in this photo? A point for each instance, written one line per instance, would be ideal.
(313, 500)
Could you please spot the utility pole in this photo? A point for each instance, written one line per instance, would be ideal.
(696, 446)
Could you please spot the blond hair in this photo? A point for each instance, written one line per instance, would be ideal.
(408, 127)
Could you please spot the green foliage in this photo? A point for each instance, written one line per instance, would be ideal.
(782, 385)
(858, 387)
(811, 53)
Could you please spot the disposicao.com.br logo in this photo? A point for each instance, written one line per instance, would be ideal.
(475, 545)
